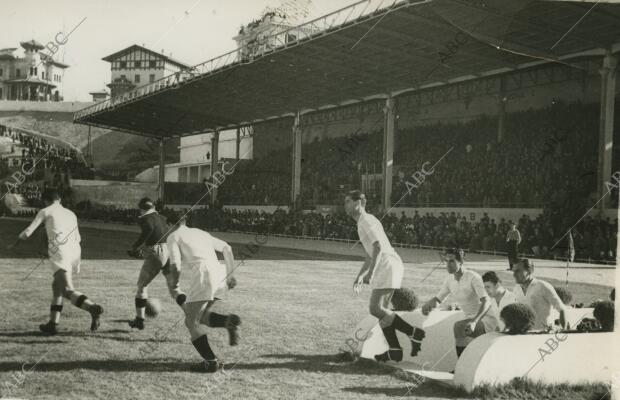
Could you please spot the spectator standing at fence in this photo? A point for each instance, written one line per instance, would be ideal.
(513, 239)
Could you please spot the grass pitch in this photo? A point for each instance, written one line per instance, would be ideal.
(296, 306)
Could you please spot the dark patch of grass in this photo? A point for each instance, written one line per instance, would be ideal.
(526, 389)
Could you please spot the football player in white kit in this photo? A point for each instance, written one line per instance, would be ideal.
(383, 270)
(64, 252)
(193, 251)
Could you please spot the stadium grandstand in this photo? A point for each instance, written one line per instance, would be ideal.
(374, 91)
(399, 198)
(33, 161)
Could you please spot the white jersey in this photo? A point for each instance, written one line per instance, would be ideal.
(193, 250)
(467, 292)
(63, 236)
(388, 273)
(370, 230)
(542, 297)
(507, 298)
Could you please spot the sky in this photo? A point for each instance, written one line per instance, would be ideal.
(192, 31)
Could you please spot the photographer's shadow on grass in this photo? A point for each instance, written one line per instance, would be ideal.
(427, 390)
(102, 334)
(133, 365)
(320, 363)
(307, 363)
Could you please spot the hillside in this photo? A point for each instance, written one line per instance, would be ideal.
(112, 150)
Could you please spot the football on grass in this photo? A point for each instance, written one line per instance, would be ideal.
(153, 307)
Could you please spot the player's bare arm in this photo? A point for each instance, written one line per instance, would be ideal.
(485, 305)
(357, 284)
(376, 250)
(430, 305)
(229, 259)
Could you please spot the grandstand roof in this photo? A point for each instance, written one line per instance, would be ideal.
(362, 52)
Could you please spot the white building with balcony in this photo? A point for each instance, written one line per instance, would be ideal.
(30, 74)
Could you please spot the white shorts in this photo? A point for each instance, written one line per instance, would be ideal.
(388, 273)
(65, 257)
(204, 280)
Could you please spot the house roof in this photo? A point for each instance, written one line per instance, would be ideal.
(365, 52)
(134, 47)
(32, 44)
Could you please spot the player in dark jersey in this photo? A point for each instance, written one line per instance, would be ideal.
(152, 246)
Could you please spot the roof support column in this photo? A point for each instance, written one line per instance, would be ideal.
(162, 170)
(215, 145)
(501, 113)
(606, 125)
(296, 164)
(388, 152)
(238, 144)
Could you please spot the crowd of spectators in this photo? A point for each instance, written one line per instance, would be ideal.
(263, 181)
(40, 163)
(543, 155)
(594, 238)
(51, 156)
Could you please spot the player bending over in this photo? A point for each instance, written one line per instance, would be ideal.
(466, 288)
(64, 252)
(152, 244)
(196, 249)
(383, 270)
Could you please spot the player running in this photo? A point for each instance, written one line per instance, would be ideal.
(64, 252)
(195, 249)
(383, 270)
(152, 246)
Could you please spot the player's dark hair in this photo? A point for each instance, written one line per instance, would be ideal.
(518, 318)
(145, 204)
(458, 254)
(527, 264)
(604, 314)
(492, 277)
(356, 195)
(51, 195)
(564, 294)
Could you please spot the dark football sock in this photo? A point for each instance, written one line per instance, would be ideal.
(459, 351)
(415, 334)
(55, 310)
(140, 308)
(204, 349)
(390, 337)
(80, 300)
(216, 320)
(401, 325)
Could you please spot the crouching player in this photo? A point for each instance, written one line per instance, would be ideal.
(467, 290)
(383, 270)
(195, 249)
(64, 254)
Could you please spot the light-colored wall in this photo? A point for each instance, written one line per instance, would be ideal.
(276, 134)
(194, 149)
(112, 193)
(162, 68)
(269, 209)
(30, 59)
(53, 106)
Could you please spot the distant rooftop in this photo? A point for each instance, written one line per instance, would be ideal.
(32, 44)
(133, 47)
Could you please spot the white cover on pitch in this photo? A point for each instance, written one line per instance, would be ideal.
(496, 358)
